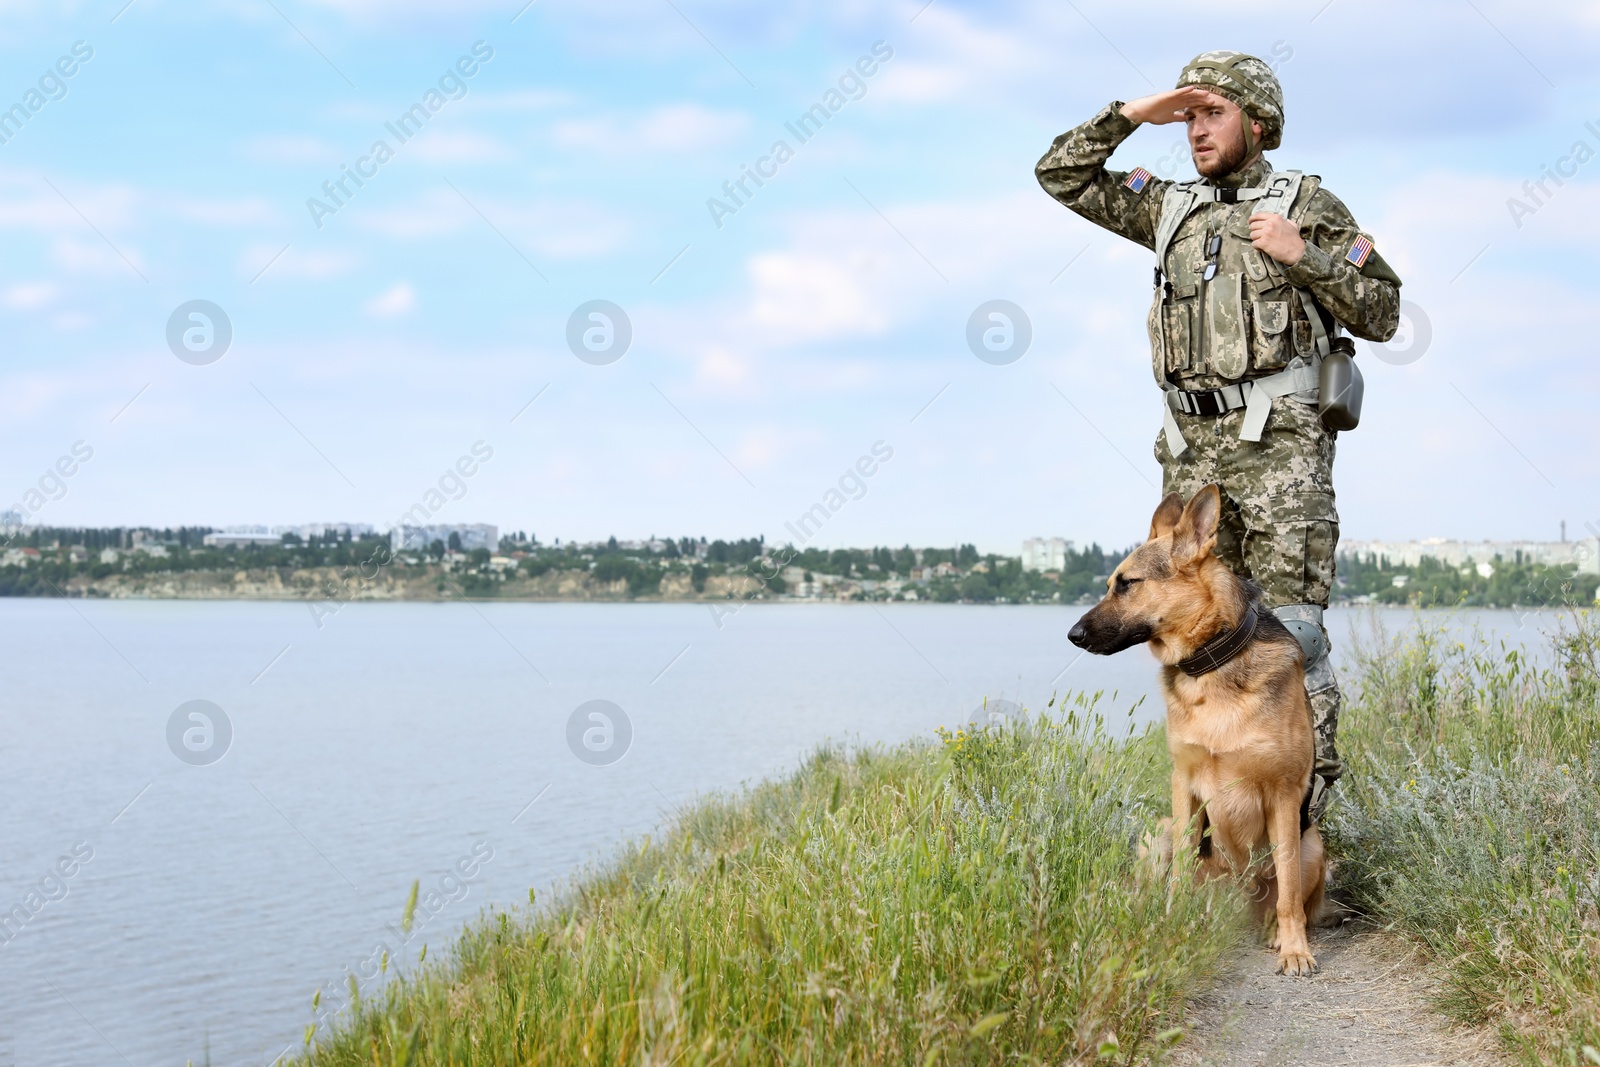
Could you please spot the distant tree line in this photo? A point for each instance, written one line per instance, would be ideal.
(1431, 583)
(968, 575)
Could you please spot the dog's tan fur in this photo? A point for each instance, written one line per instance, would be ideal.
(1240, 736)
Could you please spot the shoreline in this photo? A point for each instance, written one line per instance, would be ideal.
(330, 575)
(736, 604)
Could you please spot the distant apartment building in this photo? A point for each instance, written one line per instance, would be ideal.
(653, 545)
(246, 535)
(233, 539)
(324, 531)
(1045, 554)
(1584, 554)
(472, 535)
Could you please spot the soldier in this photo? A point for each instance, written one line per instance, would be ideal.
(1256, 271)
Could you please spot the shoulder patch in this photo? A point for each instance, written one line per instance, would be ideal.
(1360, 251)
(1137, 179)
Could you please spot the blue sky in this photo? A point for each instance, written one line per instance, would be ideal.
(769, 353)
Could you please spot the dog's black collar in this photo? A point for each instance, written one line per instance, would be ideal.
(1222, 648)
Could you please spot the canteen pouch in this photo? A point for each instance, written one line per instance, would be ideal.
(1339, 387)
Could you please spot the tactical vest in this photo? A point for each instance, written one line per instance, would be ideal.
(1222, 307)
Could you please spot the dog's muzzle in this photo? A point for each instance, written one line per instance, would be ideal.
(1092, 636)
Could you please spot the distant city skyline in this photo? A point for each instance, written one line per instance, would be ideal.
(1037, 553)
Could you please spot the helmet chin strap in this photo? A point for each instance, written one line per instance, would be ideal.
(1250, 141)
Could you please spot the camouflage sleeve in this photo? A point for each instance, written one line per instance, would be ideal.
(1074, 172)
(1365, 299)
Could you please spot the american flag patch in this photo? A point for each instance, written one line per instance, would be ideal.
(1360, 250)
(1137, 179)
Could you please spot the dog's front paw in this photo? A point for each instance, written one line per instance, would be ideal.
(1296, 963)
(1155, 851)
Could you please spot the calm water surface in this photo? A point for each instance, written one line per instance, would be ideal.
(413, 741)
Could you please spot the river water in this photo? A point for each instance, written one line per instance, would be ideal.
(179, 886)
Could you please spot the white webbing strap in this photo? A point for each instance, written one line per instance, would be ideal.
(1181, 199)
(1319, 333)
(1259, 394)
(1258, 406)
(1184, 197)
(1278, 197)
(1169, 425)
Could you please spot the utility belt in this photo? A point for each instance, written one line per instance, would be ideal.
(1254, 395)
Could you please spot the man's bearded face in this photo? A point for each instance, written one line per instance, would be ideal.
(1216, 137)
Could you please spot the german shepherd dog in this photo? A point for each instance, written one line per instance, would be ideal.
(1238, 721)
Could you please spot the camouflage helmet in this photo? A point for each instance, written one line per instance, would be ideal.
(1248, 82)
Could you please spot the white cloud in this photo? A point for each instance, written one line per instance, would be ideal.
(464, 146)
(721, 367)
(399, 300)
(855, 274)
(689, 127)
(672, 128)
(805, 297)
(561, 229)
(759, 446)
(577, 230)
(242, 211)
(922, 83)
(282, 149)
(94, 256)
(438, 212)
(294, 263)
(363, 8)
(1436, 223)
(516, 100)
(32, 394)
(31, 294)
(30, 203)
(948, 53)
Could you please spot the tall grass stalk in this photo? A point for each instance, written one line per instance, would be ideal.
(967, 901)
(1471, 821)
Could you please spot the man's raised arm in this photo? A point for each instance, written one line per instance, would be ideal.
(1074, 170)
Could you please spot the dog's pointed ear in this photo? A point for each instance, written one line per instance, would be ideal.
(1168, 512)
(1196, 532)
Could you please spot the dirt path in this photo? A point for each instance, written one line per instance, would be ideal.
(1368, 1007)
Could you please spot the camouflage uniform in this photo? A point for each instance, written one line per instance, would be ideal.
(1279, 524)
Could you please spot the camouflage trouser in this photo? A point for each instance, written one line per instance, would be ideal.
(1278, 527)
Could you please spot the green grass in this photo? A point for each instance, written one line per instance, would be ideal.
(966, 900)
(976, 900)
(1471, 823)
